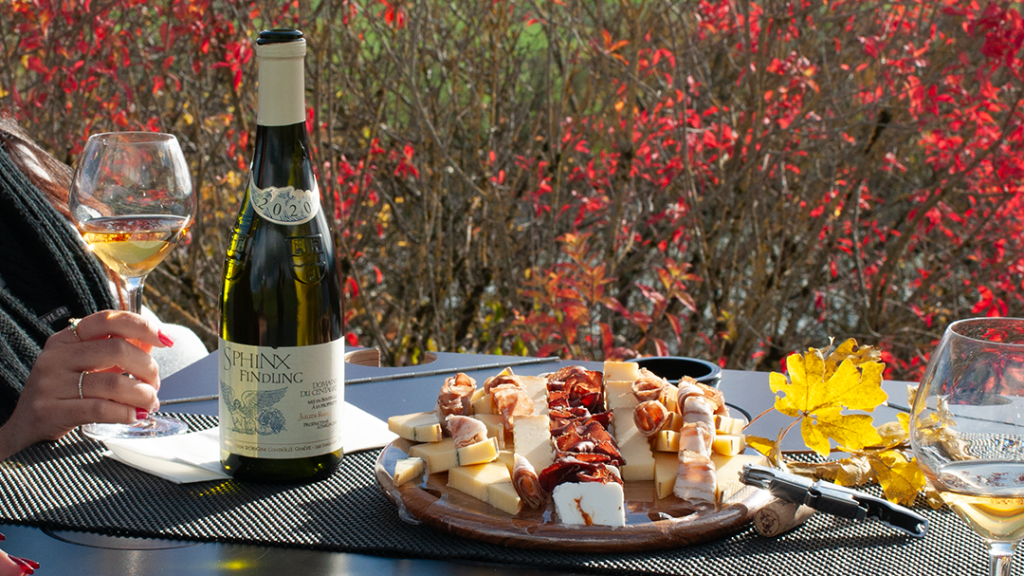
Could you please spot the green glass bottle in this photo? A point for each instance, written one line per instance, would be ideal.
(281, 352)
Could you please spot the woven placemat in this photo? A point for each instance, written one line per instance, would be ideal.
(69, 485)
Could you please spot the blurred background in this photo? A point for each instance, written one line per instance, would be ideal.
(593, 179)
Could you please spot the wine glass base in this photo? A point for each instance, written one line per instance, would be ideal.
(151, 427)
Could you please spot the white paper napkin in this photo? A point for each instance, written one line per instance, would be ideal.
(195, 457)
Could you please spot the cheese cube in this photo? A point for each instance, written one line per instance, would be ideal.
(495, 426)
(666, 441)
(483, 404)
(504, 497)
(671, 400)
(506, 457)
(439, 456)
(666, 468)
(619, 394)
(728, 444)
(674, 423)
(614, 371)
(727, 472)
(532, 440)
(408, 469)
(727, 425)
(418, 427)
(475, 479)
(479, 453)
(634, 447)
(590, 503)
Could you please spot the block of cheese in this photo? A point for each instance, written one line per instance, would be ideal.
(537, 390)
(674, 423)
(728, 425)
(671, 399)
(479, 453)
(418, 427)
(442, 456)
(504, 497)
(495, 426)
(439, 456)
(408, 469)
(590, 503)
(634, 447)
(728, 444)
(619, 371)
(506, 457)
(666, 441)
(727, 472)
(666, 468)
(483, 403)
(475, 479)
(532, 436)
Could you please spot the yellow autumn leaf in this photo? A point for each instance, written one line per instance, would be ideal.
(851, 431)
(763, 445)
(849, 350)
(900, 480)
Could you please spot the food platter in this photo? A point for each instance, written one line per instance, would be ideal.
(651, 524)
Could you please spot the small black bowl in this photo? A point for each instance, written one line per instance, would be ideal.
(672, 368)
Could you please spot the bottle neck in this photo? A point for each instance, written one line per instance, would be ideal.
(281, 97)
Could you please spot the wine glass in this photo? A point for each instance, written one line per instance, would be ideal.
(131, 198)
(967, 429)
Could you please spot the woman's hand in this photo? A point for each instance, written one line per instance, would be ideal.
(80, 378)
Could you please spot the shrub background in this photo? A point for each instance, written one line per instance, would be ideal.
(594, 179)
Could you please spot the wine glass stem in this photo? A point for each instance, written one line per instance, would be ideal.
(133, 286)
(1002, 556)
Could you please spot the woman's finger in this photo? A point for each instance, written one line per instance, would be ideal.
(113, 323)
(119, 388)
(105, 411)
(112, 353)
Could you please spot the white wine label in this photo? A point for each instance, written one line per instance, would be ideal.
(287, 205)
(283, 402)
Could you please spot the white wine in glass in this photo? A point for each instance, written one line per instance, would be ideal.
(967, 429)
(132, 200)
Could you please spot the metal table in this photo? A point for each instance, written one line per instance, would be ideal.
(382, 392)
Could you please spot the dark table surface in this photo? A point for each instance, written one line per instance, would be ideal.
(382, 392)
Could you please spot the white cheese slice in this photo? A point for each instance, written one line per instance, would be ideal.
(537, 390)
(490, 482)
(417, 427)
(479, 453)
(532, 440)
(590, 503)
(439, 456)
(619, 394)
(633, 446)
(727, 472)
(495, 426)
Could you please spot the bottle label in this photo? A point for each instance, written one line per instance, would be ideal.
(283, 402)
(287, 205)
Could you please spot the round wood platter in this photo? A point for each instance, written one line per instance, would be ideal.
(651, 524)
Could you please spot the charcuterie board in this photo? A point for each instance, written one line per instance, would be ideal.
(651, 524)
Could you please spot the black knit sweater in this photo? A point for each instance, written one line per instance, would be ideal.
(46, 277)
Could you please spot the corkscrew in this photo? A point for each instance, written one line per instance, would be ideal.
(834, 499)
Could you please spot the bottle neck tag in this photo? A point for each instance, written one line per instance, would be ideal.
(281, 97)
(284, 205)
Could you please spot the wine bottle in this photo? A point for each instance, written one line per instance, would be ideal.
(281, 352)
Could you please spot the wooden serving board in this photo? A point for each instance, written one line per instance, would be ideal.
(651, 524)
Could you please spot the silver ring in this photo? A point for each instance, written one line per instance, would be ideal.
(73, 326)
(80, 378)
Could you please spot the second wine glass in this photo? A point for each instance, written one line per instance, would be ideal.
(132, 200)
(967, 429)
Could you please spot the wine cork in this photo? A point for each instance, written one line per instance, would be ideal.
(779, 517)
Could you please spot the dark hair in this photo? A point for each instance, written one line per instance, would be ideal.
(50, 175)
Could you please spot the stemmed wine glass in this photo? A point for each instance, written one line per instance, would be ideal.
(967, 429)
(132, 200)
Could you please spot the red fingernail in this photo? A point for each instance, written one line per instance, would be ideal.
(141, 414)
(30, 563)
(164, 339)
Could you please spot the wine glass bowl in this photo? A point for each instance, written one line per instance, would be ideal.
(132, 200)
(967, 429)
